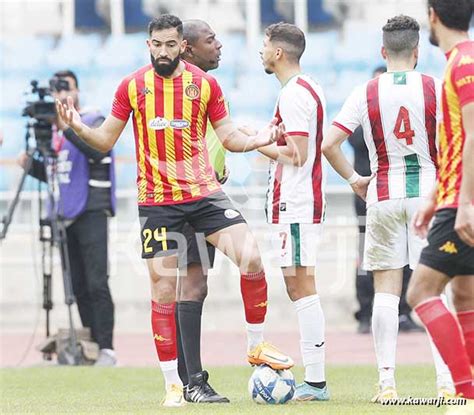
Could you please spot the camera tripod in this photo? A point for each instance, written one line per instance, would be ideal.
(52, 232)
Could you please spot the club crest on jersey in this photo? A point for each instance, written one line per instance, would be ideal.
(192, 91)
(158, 123)
(283, 207)
(179, 124)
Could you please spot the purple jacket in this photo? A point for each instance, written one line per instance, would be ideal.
(73, 173)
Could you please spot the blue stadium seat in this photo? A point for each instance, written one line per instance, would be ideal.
(13, 129)
(344, 82)
(13, 98)
(255, 94)
(74, 52)
(316, 13)
(231, 45)
(23, 54)
(320, 48)
(86, 16)
(359, 48)
(135, 19)
(126, 52)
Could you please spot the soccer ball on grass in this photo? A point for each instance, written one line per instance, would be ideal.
(268, 386)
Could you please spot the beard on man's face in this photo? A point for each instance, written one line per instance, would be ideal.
(267, 68)
(433, 38)
(165, 69)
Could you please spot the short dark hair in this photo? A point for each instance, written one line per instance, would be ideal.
(289, 34)
(67, 73)
(166, 21)
(454, 14)
(401, 34)
(191, 30)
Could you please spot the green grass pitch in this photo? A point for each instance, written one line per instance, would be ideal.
(78, 390)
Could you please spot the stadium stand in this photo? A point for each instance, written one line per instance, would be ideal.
(338, 59)
(338, 66)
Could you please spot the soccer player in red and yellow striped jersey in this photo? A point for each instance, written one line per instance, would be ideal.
(170, 120)
(458, 91)
(449, 256)
(171, 101)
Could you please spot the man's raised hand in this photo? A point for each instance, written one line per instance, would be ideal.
(69, 115)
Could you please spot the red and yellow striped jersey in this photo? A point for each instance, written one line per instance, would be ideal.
(169, 121)
(458, 90)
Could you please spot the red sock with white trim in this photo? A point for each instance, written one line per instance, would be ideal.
(446, 334)
(253, 287)
(163, 324)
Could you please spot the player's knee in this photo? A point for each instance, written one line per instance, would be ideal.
(164, 289)
(293, 290)
(462, 300)
(254, 263)
(197, 291)
(165, 295)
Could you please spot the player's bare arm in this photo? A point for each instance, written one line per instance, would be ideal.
(237, 141)
(102, 138)
(332, 150)
(464, 225)
(294, 152)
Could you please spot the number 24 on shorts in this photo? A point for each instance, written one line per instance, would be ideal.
(159, 235)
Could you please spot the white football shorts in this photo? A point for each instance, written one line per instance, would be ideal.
(295, 244)
(390, 242)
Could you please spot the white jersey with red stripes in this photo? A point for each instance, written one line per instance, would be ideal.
(296, 194)
(398, 112)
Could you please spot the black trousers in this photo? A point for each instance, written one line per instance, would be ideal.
(364, 279)
(87, 240)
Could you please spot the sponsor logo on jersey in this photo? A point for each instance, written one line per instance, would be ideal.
(465, 60)
(192, 91)
(231, 214)
(320, 344)
(179, 124)
(465, 81)
(449, 247)
(160, 338)
(146, 91)
(158, 123)
(263, 304)
(283, 207)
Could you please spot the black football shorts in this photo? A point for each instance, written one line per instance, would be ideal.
(199, 251)
(446, 252)
(163, 228)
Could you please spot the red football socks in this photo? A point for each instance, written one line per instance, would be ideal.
(253, 287)
(466, 320)
(164, 330)
(446, 334)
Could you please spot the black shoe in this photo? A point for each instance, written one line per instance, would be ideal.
(364, 327)
(407, 325)
(199, 391)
